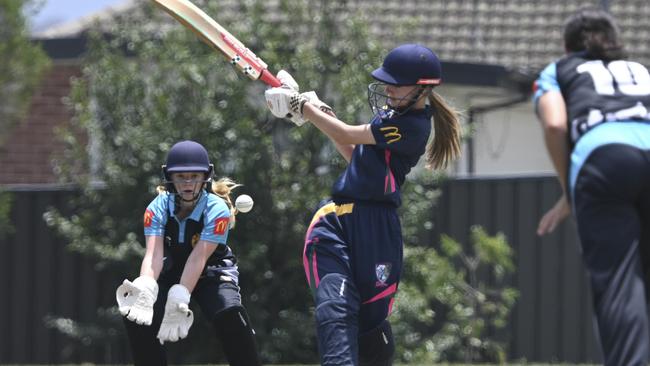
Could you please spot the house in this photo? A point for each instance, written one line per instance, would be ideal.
(482, 44)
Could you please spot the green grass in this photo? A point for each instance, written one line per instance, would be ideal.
(438, 364)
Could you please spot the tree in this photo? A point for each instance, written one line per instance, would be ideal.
(22, 67)
(23, 64)
(456, 300)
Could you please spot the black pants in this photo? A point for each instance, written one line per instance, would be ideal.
(612, 207)
(214, 297)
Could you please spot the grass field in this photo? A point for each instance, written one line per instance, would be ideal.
(438, 364)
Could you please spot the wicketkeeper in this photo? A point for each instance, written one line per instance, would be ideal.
(186, 228)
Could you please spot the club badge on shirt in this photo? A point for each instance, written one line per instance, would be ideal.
(382, 271)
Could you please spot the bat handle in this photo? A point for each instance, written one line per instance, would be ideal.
(269, 79)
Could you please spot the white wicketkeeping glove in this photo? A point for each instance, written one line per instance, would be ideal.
(135, 299)
(178, 317)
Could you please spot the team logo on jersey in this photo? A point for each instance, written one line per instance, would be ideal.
(148, 217)
(391, 133)
(221, 225)
(382, 271)
(195, 239)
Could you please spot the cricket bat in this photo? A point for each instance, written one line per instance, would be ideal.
(220, 39)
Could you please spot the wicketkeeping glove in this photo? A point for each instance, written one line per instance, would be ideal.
(135, 299)
(178, 317)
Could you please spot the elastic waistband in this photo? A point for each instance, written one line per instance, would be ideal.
(342, 201)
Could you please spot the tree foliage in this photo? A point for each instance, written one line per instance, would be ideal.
(23, 64)
(22, 67)
(456, 300)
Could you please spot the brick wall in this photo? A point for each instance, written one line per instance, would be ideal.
(26, 156)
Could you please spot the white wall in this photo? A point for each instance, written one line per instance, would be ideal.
(507, 141)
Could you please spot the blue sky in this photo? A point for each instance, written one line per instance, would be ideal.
(54, 12)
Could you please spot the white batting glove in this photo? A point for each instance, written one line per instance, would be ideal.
(178, 317)
(287, 80)
(135, 299)
(312, 98)
(286, 103)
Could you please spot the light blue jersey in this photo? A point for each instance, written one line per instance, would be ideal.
(213, 209)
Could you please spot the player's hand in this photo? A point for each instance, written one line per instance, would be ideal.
(287, 80)
(286, 103)
(313, 99)
(135, 299)
(553, 217)
(178, 317)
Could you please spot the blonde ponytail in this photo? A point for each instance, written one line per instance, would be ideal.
(222, 188)
(445, 145)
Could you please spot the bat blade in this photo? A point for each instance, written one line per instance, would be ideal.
(219, 38)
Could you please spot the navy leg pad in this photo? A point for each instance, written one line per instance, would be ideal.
(377, 347)
(337, 318)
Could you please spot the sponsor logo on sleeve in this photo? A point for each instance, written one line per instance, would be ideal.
(148, 217)
(391, 133)
(221, 225)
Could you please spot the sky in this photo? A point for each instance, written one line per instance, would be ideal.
(53, 12)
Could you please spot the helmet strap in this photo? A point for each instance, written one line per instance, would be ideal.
(418, 94)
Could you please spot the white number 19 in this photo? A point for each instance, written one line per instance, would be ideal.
(631, 78)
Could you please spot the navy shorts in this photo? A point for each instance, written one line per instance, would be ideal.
(363, 242)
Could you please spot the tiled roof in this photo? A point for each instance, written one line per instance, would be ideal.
(511, 33)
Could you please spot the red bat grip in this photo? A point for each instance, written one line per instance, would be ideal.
(269, 79)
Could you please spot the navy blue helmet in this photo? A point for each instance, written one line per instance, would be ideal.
(408, 64)
(187, 156)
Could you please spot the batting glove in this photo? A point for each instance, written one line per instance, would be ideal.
(178, 317)
(287, 80)
(286, 103)
(135, 299)
(312, 98)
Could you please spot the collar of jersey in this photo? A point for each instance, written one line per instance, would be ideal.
(198, 209)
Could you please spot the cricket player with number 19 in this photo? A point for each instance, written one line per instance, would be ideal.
(594, 106)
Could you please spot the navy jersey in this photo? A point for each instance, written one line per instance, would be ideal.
(208, 221)
(376, 172)
(596, 91)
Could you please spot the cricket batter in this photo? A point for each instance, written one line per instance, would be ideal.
(353, 247)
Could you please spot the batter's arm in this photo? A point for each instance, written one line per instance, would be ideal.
(344, 136)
